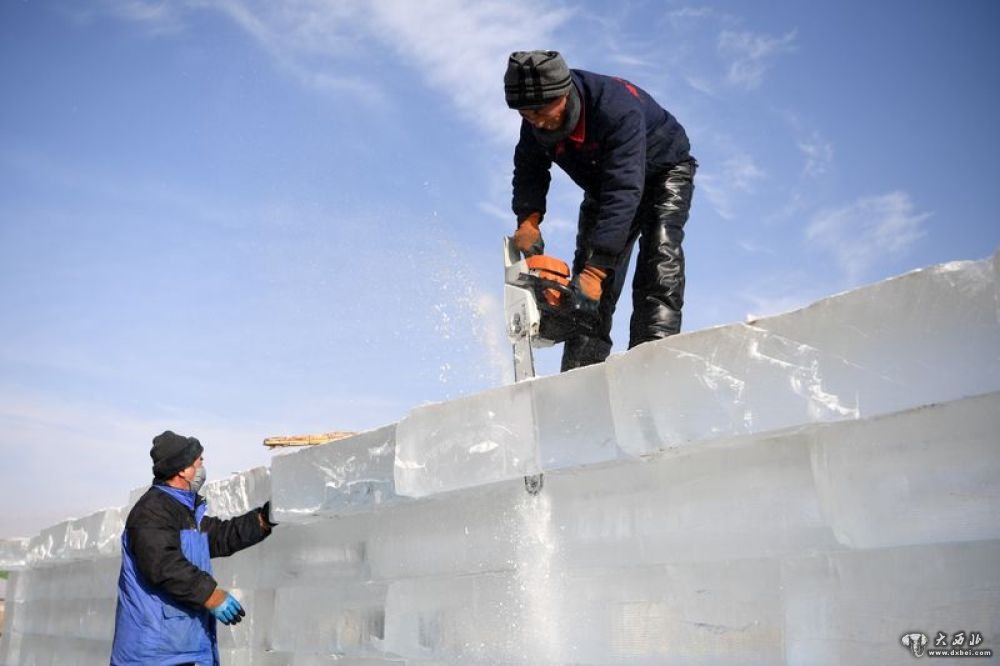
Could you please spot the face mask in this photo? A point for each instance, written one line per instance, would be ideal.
(199, 479)
(551, 138)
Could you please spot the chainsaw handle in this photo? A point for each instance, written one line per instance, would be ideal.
(541, 284)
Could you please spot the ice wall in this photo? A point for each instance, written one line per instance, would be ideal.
(802, 489)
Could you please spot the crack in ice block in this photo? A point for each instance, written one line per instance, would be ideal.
(928, 336)
(931, 335)
(353, 474)
(722, 382)
(923, 476)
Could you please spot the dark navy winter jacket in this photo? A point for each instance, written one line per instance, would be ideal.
(166, 577)
(622, 138)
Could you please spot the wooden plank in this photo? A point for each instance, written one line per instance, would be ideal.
(306, 440)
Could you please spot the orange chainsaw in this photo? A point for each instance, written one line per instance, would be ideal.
(540, 310)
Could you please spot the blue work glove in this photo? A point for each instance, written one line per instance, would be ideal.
(229, 611)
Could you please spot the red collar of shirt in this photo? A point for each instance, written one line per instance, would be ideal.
(577, 135)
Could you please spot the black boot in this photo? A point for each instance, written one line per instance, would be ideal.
(584, 350)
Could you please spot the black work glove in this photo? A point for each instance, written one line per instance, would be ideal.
(265, 515)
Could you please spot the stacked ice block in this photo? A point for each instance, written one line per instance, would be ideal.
(802, 489)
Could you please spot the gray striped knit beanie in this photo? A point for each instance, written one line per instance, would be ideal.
(535, 78)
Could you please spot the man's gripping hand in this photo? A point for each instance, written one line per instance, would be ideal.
(224, 607)
(588, 287)
(528, 237)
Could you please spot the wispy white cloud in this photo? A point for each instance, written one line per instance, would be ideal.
(753, 247)
(751, 55)
(774, 291)
(688, 15)
(769, 304)
(869, 230)
(818, 154)
(314, 42)
(502, 215)
(458, 47)
(702, 84)
(742, 172)
(156, 17)
(738, 176)
(150, 12)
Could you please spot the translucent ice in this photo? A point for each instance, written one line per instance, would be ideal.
(346, 475)
(853, 607)
(928, 336)
(802, 489)
(238, 493)
(96, 535)
(13, 553)
(717, 383)
(573, 419)
(921, 476)
(344, 618)
(706, 613)
(541, 425)
(471, 441)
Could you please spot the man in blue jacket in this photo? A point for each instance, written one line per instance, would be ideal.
(168, 602)
(632, 159)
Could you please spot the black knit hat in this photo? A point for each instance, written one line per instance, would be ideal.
(172, 453)
(535, 78)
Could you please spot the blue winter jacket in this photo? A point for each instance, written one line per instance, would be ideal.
(166, 577)
(622, 138)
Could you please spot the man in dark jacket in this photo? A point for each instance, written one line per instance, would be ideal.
(168, 602)
(632, 159)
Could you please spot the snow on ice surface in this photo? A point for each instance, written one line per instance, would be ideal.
(800, 489)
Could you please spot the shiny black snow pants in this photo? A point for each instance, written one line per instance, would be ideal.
(658, 284)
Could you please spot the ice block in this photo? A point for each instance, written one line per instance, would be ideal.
(353, 474)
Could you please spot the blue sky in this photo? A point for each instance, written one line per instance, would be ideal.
(240, 218)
